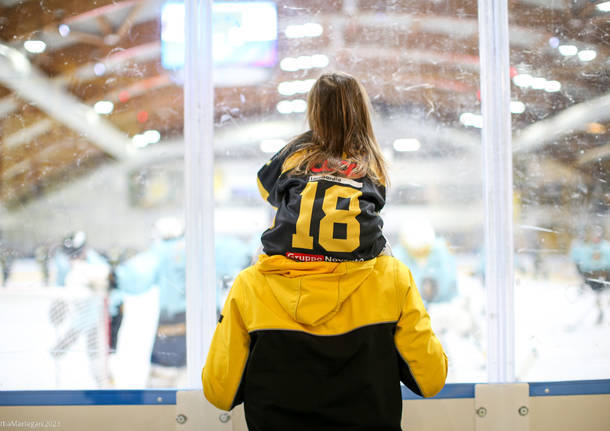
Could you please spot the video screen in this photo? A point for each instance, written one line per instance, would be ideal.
(244, 35)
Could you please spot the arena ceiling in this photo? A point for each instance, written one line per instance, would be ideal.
(413, 56)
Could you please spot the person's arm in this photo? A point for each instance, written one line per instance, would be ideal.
(226, 361)
(139, 273)
(268, 176)
(422, 361)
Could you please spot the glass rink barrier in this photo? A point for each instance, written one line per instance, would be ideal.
(131, 135)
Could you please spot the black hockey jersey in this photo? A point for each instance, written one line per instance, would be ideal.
(321, 216)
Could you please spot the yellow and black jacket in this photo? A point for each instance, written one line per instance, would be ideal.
(323, 345)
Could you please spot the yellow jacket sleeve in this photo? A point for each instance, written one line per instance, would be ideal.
(228, 354)
(423, 368)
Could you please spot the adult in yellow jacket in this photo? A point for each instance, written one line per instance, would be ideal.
(323, 345)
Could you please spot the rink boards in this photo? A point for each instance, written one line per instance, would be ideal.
(520, 406)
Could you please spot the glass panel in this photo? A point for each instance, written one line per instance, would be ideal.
(418, 62)
(91, 198)
(560, 125)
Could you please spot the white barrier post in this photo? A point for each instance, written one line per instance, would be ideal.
(498, 188)
(199, 192)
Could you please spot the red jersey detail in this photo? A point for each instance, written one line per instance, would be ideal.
(345, 167)
(305, 257)
(321, 168)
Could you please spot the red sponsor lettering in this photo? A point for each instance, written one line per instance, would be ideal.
(302, 257)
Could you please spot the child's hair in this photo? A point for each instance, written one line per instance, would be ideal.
(339, 116)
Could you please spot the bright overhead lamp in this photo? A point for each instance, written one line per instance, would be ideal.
(568, 50)
(406, 144)
(152, 136)
(288, 88)
(139, 141)
(311, 29)
(304, 62)
(472, 120)
(299, 105)
(604, 7)
(587, 55)
(552, 86)
(34, 46)
(319, 60)
(291, 64)
(284, 107)
(103, 107)
(142, 140)
(64, 30)
(272, 145)
(523, 80)
(99, 69)
(538, 83)
(291, 106)
(517, 107)
(596, 128)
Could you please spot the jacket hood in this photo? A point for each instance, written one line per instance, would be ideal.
(312, 292)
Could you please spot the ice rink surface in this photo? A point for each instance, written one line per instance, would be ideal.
(562, 330)
(559, 332)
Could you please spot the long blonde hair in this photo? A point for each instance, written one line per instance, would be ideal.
(339, 116)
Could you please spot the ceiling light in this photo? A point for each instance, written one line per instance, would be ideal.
(103, 107)
(272, 145)
(35, 46)
(523, 80)
(299, 105)
(305, 85)
(517, 107)
(139, 141)
(587, 55)
(538, 83)
(596, 128)
(604, 7)
(289, 64)
(319, 60)
(142, 140)
(552, 86)
(406, 144)
(310, 29)
(284, 107)
(568, 50)
(304, 62)
(553, 42)
(64, 30)
(286, 88)
(99, 69)
(152, 136)
(290, 106)
(470, 119)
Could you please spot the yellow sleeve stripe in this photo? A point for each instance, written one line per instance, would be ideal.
(264, 193)
(378, 175)
(293, 161)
